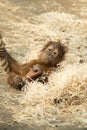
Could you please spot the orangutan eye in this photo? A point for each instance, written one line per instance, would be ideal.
(36, 70)
(55, 53)
(49, 49)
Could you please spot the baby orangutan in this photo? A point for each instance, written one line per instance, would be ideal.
(51, 54)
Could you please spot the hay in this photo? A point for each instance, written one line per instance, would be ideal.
(68, 85)
(65, 93)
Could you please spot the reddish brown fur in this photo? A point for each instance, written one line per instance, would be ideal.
(51, 54)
